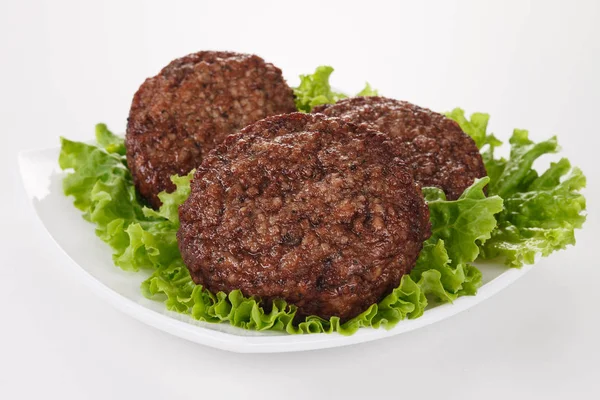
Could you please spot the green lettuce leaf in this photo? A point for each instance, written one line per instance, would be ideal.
(541, 212)
(172, 201)
(109, 141)
(368, 91)
(174, 286)
(458, 229)
(476, 127)
(314, 90)
(103, 189)
(465, 222)
(437, 276)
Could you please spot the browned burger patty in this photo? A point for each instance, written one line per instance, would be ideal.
(433, 146)
(187, 109)
(304, 208)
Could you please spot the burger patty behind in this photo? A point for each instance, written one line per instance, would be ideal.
(434, 148)
(178, 116)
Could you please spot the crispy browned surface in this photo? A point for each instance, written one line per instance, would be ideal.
(305, 208)
(187, 109)
(433, 146)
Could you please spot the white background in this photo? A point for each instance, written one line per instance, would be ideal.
(66, 65)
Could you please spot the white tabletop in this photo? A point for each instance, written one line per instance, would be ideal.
(66, 65)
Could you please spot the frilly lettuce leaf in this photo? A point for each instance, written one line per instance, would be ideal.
(458, 228)
(314, 90)
(541, 212)
(437, 276)
(368, 91)
(172, 201)
(103, 189)
(174, 286)
(476, 127)
(109, 141)
(465, 222)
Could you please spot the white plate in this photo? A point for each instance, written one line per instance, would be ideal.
(91, 262)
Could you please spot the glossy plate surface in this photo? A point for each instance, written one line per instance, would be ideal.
(90, 261)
